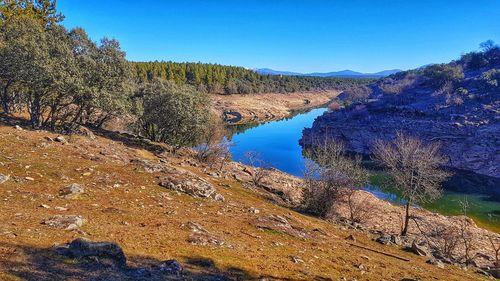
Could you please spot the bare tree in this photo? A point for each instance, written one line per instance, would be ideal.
(495, 246)
(465, 234)
(215, 149)
(333, 176)
(261, 167)
(415, 169)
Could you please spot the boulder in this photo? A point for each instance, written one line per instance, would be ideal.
(84, 248)
(419, 249)
(191, 185)
(71, 191)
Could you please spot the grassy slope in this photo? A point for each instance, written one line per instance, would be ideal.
(147, 221)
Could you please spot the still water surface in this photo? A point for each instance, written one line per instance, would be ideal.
(277, 143)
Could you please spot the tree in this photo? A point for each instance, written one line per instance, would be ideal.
(43, 11)
(173, 114)
(415, 168)
(487, 45)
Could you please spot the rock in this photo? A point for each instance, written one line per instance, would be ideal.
(84, 248)
(495, 272)
(296, 259)
(191, 185)
(279, 224)
(384, 239)
(351, 238)
(86, 132)
(71, 191)
(171, 267)
(419, 249)
(44, 206)
(204, 239)
(18, 127)
(436, 262)
(4, 178)
(68, 222)
(395, 239)
(29, 178)
(253, 210)
(61, 139)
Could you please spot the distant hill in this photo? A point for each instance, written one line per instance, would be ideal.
(341, 74)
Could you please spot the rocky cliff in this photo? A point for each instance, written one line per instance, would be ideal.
(456, 104)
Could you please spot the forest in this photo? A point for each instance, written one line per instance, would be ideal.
(220, 79)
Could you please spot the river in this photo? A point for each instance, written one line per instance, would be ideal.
(277, 143)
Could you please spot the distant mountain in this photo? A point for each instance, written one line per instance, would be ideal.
(343, 74)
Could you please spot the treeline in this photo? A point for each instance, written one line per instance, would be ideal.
(220, 79)
(58, 76)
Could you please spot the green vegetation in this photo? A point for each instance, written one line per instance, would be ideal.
(174, 114)
(220, 79)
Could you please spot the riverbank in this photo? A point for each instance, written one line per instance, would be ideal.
(158, 206)
(258, 108)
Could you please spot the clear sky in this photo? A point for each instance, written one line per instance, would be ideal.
(293, 35)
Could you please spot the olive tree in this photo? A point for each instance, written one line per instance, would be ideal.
(415, 168)
(177, 115)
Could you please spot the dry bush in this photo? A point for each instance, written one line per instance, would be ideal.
(441, 238)
(215, 149)
(261, 167)
(333, 177)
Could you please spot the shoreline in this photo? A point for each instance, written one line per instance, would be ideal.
(260, 108)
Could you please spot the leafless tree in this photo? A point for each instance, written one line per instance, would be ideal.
(466, 235)
(333, 176)
(495, 246)
(261, 167)
(415, 168)
(215, 149)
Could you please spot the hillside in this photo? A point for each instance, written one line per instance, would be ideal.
(456, 104)
(246, 233)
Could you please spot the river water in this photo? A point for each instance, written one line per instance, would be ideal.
(277, 143)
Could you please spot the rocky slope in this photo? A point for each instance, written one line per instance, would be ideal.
(456, 105)
(88, 208)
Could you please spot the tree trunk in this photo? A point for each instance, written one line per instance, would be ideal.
(407, 219)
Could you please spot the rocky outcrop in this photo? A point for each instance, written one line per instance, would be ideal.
(471, 147)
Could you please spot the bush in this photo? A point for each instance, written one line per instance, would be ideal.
(333, 177)
(439, 74)
(177, 115)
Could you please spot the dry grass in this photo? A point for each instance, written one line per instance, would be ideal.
(125, 204)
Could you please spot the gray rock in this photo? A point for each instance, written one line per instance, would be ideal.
(384, 239)
(67, 222)
(171, 267)
(71, 191)
(420, 249)
(61, 139)
(83, 248)
(191, 185)
(435, 262)
(4, 178)
(253, 210)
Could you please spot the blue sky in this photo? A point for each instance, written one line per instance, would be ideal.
(293, 35)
